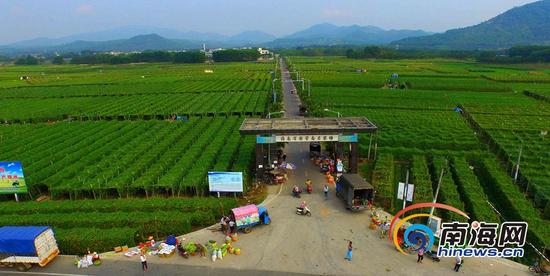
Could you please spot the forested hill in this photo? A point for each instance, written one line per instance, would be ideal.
(525, 25)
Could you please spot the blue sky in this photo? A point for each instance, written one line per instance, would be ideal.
(26, 19)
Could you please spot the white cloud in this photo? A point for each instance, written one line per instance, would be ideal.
(84, 9)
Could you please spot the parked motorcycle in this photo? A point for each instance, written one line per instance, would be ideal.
(303, 211)
(433, 255)
(538, 269)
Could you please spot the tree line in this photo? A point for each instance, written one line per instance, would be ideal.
(148, 56)
(89, 57)
(517, 54)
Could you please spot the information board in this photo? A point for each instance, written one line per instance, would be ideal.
(12, 180)
(225, 181)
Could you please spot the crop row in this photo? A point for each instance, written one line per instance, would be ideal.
(94, 158)
(152, 204)
(67, 75)
(231, 85)
(423, 191)
(151, 105)
(101, 225)
(472, 192)
(381, 98)
(383, 180)
(418, 129)
(448, 192)
(511, 202)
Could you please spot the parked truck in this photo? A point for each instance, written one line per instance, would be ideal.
(355, 191)
(24, 246)
(250, 215)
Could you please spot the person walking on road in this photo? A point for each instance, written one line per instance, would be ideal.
(349, 255)
(143, 261)
(458, 263)
(325, 189)
(420, 255)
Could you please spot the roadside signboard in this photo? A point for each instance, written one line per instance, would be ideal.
(12, 180)
(409, 191)
(225, 181)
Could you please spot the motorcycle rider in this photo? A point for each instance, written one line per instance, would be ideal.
(296, 190)
(303, 208)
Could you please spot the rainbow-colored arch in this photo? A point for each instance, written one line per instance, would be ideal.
(394, 230)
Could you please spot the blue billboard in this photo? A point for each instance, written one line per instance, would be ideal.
(12, 180)
(225, 181)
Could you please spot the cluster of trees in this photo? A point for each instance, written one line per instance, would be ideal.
(148, 56)
(315, 51)
(518, 54)
(27, 60)
(3, 58)
(160, 56)
(389, 53)
(235, 55)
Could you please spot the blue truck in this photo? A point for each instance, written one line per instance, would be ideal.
(24, 246)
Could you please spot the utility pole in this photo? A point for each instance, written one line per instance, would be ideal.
(405, 190)
(273, 90)
(517, 165)
(370, 144)
(437, 191)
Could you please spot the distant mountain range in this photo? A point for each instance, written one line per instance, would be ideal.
(328, 34)
(139, 38)
(135, 38)
(525, 25)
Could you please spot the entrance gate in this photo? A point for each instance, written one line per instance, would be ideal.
(290, 130)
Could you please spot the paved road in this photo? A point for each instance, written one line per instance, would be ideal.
(295, 244)
(291, 100)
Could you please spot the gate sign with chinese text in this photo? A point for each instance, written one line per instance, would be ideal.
(316, 138)
(307, 138)
(225, 181)
(12, 180)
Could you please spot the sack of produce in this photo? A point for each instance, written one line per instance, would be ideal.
(237, 251)
(214, 256)
(220, 255)
(234, 237)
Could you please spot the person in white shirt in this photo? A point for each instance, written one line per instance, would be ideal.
(458, 263)
(143, 261)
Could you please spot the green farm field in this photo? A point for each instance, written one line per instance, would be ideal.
(502, 109)
(101, 143)
(99, 135)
